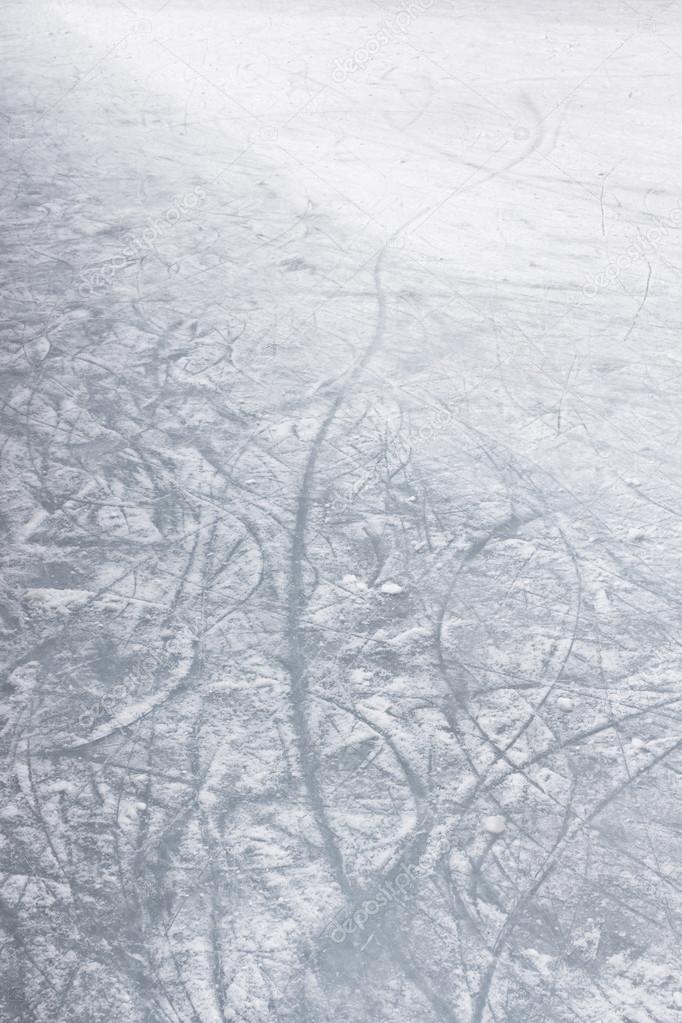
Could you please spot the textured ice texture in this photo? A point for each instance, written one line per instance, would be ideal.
(341, 486)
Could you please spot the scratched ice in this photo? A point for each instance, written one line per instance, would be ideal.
(340, 488)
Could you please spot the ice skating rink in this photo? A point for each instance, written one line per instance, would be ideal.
(340, 489)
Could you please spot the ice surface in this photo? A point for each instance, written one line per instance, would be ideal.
(341, 479)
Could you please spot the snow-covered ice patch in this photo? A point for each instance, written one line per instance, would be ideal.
(390, 588)
(62, 601)
(494, 824)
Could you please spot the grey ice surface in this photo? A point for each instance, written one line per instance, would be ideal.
(341, 483)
